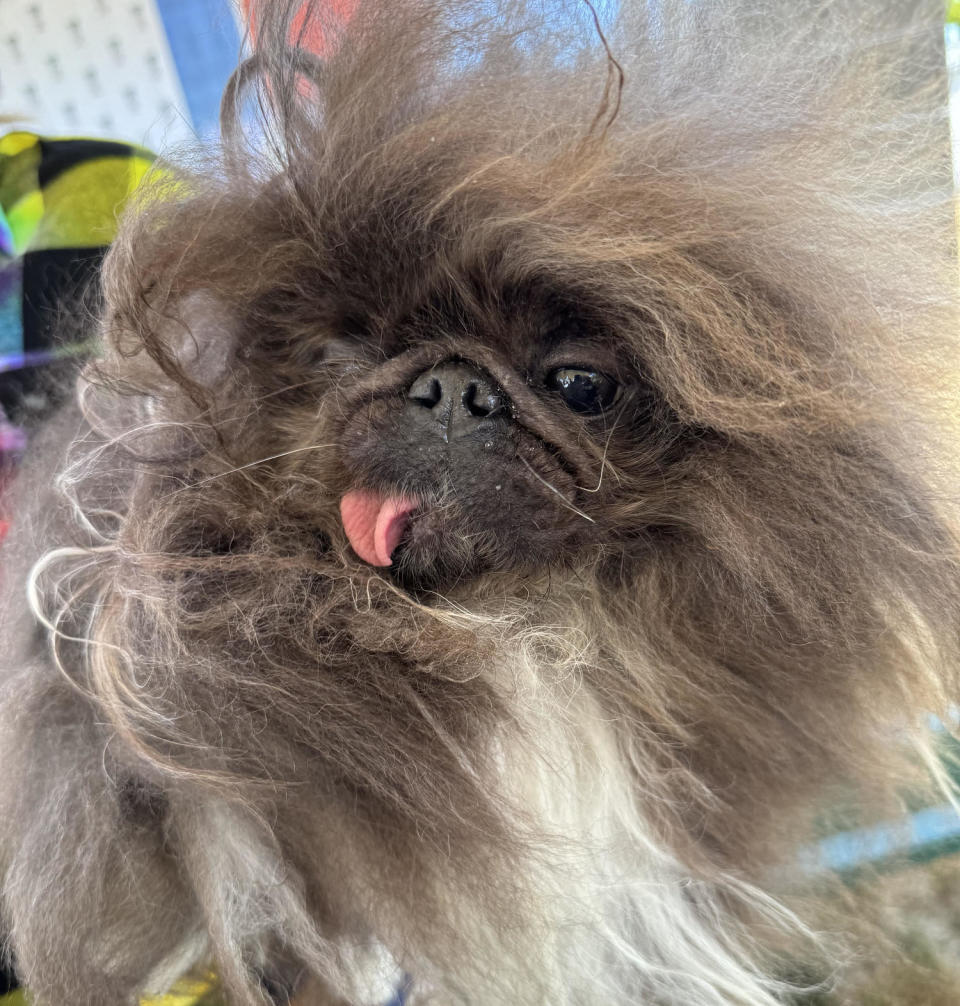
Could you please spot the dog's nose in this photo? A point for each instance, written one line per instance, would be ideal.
(457, 396)
(457, 386)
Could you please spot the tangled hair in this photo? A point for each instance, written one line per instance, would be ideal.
(572, 760)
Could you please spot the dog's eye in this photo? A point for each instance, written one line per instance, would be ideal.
(582, 389)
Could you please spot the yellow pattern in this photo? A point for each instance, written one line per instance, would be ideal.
(24, 217)
(187, 992)
(82, 205)
(14, 143)
(196, 991)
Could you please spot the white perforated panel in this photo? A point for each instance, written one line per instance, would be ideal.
(91, 68)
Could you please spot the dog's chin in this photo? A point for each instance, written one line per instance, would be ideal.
(437, 554)
(451, 548)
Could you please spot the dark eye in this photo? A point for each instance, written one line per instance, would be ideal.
(582, 389)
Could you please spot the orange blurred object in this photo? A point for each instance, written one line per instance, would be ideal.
(310, 35)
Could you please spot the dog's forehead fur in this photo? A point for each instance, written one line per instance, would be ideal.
(552, 780)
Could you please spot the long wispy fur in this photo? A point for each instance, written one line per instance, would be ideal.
(571, 783)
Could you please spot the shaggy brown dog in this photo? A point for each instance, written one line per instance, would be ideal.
(515, 492)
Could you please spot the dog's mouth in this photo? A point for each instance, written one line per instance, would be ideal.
(420, 543)
(375, 523)
(430, 541)
(431, 514)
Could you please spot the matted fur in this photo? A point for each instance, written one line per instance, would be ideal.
(566, 777)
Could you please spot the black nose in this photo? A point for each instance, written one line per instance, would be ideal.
(457, 395)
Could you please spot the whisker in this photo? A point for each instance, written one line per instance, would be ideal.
(603, 459)
(249, 464)
(554, 489)
(267, 395)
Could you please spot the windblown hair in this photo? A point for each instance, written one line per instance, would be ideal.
(570, 774)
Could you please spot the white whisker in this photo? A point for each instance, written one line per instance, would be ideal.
(250, 464)
(554, 489)
(603, 460)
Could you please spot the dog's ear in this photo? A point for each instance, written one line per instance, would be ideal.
(201, 336)
(176, 373)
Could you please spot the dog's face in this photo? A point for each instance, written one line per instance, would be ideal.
(466, 415)
(487, 435)
(472, 449)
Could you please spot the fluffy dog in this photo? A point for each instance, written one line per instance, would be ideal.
(514, 494)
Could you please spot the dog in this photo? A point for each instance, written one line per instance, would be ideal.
(514, 495)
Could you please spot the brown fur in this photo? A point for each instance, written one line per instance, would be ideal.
(740, 590)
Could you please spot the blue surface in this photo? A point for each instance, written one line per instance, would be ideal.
(205, 42)
(859, 847)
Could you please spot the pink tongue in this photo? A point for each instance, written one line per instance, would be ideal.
(375, 523)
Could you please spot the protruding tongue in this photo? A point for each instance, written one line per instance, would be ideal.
(375, 523)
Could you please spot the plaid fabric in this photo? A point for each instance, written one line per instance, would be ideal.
(59, 202)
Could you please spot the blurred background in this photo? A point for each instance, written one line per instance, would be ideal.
(143, 71)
